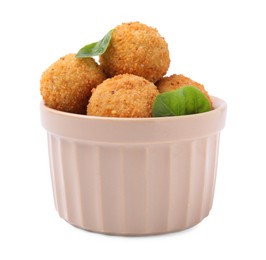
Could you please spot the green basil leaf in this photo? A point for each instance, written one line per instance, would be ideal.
(184, 101)
(95, 48)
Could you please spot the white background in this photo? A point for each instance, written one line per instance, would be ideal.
(218, 43)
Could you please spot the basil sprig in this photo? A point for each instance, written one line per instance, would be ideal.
(184, 101)
(95, 48)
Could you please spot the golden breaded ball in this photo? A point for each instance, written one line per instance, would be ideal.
(138, 49)
(174, 82)
(124, 95)
(66, 85)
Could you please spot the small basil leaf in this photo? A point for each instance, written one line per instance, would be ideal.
(196, 100)
(168, 104)
(95, 48)
(184, 101)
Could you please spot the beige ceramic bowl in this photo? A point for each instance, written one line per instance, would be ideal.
(128, 176)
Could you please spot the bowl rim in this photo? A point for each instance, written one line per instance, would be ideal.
(134, 130)
(218, 104)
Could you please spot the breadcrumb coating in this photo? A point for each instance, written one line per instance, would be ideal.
(66, 85)
(124, 95)
(174, 82)
(136, 48)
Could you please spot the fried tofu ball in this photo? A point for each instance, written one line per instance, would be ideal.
(66, 85)
(138, 49)
(174, 82)
(124, 95)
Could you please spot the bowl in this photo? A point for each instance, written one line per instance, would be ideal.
(133, 176)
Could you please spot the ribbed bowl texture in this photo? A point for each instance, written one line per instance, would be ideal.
(126, 176)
